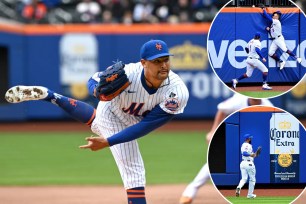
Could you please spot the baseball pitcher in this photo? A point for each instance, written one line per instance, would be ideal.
(135, 99)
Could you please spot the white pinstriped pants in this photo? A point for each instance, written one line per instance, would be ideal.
(126, 155)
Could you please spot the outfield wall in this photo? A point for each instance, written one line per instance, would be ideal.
(63, 58)
(233, 28)
(281, 137)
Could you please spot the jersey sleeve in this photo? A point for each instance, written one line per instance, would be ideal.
(153, 120)
(175, 99)
(268, 17)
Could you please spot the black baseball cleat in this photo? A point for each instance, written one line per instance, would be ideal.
(238, 192)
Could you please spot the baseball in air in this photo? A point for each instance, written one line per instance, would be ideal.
(253, 6)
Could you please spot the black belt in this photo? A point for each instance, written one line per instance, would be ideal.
(277, 37)
(247, 160)
(253, 58)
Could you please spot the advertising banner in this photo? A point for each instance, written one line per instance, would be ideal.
(233, 28)
(284, 148)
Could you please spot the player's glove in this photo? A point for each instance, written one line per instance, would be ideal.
(258, 151)
(112, 82)
(261, 5)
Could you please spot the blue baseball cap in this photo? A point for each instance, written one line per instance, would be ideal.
(257, 35)
(154, 49)
(247, 136)
(278, 12)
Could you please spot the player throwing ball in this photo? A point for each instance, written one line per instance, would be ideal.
(275, 30)
(247, 166)
(151, 96)
(253, 49)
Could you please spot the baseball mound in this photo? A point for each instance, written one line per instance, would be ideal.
(156, 194)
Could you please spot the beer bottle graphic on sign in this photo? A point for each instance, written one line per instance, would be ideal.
(284, 148)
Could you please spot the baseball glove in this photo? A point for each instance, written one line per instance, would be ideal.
(112, 82)
(258, 151)
(261, 5)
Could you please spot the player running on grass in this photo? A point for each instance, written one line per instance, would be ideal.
(225, 108)
(275, 30)
(253, 49)
(154, 96)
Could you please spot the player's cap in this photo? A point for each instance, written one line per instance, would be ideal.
(257, 35)
(247, 136)
(278, 12)
(154, 49)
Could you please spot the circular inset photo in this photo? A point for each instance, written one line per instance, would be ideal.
(258, 49)
(257, 153)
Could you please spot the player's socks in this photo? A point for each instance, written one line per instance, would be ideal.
(136, 195)
(291, 54)
(274, 56)
(243, 76)
(264, 77)
(79, 110)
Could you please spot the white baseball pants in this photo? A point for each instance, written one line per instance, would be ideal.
(278, 43)
(254, 63)
(247, 169)
(126, 155)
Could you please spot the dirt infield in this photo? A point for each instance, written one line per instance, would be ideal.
(157, 194)
(259, 88)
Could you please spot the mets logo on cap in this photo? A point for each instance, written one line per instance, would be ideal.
(154, 49)
(158, 46)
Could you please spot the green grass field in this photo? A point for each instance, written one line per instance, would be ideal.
(261, 94)
(33, 158)
(260, 199)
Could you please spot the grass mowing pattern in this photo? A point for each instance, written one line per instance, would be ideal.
(55, 159)
(261, 94)
(261, 200)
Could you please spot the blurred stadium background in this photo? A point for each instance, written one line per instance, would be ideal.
(60, 43)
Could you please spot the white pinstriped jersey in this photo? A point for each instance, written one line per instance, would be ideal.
(128, 109)
(252, 45)
(276, 28)
(247, 147)
(237, 102)
(130, 106)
